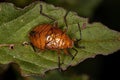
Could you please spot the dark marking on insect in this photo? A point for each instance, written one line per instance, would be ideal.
(51, 37)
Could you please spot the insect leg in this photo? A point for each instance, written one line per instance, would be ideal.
(73, 56)
(76, 42)
(75, 53)
(29, 43)
(65, 20)
(33, 47)
(59, 63)
(41, 12)
(66, 51)
(80, 32)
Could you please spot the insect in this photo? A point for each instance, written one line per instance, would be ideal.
(51, 37)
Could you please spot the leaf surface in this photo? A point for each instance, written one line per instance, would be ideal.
(15, 25)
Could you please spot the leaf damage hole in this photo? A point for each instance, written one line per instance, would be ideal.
(11, 46)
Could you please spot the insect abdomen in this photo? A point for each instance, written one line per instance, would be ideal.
(58, 40)
(49, 37)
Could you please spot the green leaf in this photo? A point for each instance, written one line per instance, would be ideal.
(15, 25)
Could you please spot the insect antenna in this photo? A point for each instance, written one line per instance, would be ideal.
(41, 12)
(77, 41)
(59, 63)
(79, 32)
(65, 20)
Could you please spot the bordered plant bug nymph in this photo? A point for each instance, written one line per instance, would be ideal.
(51, 37)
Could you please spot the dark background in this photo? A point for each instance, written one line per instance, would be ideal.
(98, 68)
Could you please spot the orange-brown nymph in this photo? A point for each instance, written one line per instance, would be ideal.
(51, 37)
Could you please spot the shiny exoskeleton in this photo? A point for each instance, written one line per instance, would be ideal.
(48, 37)
(51, 37)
